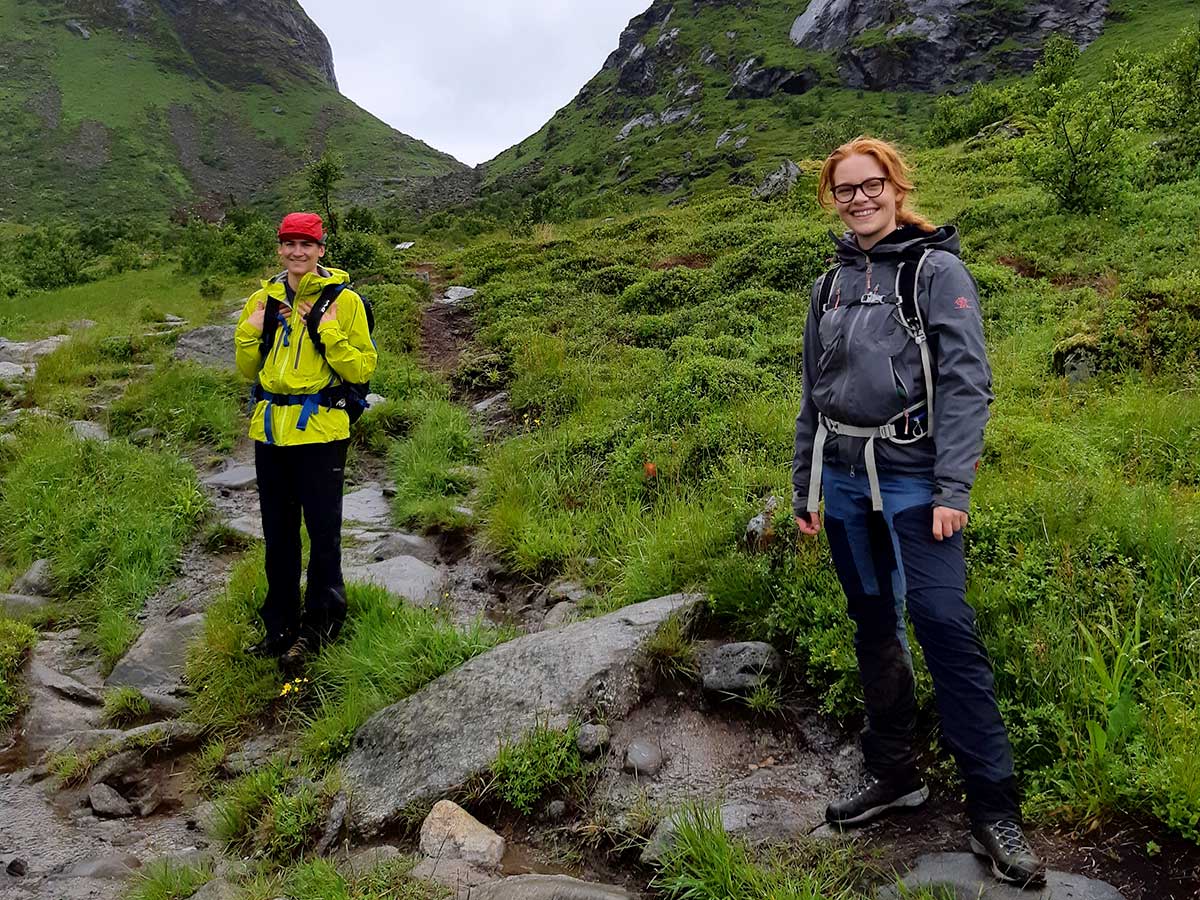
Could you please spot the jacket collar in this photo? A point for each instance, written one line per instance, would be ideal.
(311, 284)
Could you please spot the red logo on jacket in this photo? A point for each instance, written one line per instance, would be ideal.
(962, 303)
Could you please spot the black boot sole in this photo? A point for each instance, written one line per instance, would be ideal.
(911, 800)
(1036, 880)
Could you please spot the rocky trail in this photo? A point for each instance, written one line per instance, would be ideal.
(655, 740)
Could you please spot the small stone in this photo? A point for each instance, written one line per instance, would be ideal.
(457, 294)
(334, 824)
(496, 401)
(149, 802)
(400, 544)
(367, 506)
(556, 810)
(234, 478)
(248, 526)
(144, 436)
(171, 319)
(739, 668)
(450, 832)
(643, 757)
(107, 866)
(117, 768)
(89, 431)
(559, 615)
(107, 802)
(591, 739)
(567, 590)
(17, 867)
(375, 399)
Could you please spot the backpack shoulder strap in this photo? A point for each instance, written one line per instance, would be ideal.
(270, 326)
(330, 293)
(907, 279)
(828, 282)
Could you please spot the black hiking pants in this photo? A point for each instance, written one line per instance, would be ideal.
(885, 562)
(307, 479)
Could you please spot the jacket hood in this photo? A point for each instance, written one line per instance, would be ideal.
(312, 283)
(901, 242)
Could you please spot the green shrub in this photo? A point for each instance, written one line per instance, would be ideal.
(788, 262)
(50, 258)
(167, 880)
(666, 290)
(543, 759)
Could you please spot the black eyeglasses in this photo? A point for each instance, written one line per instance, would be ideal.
(871, 188)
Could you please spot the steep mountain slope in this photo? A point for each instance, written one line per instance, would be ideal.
(700, 93)
(147, 106)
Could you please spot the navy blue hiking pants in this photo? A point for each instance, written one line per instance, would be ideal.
(885, 562)
(306, 478)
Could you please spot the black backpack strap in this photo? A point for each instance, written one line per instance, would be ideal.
(319, 308)
(825, 291)
(270, 326)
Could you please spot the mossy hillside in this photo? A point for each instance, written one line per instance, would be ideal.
(96, 125)
(573, 166)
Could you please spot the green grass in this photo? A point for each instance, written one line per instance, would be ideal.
(704, 863)
(82, 505)
(319, 879)
(16, 641)
(123, 706)
(525, 770)
(185, 403)
(166, 880)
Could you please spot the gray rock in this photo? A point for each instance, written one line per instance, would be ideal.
(107, 802)
(254, 754)
(755, 822)
(932, 44)
(739, 668)
(156, 661)
(148, 802)
(556, 810)
(457, 294)
(483, 407)
(375, 400)
(360, 861)
(752, 81)
(210, 345)
(400, 544)
(172, 319)
(560, 614)
(779, 183)
(175, 734)
(36, 581)
(107, 866)
(235, 478)
(567, 590)
(77, 28)
(90, 431)
(643, 757)
(728, 135)
(63, 685)
(964, 877)
(20, 605)
(10, 372)
(118, 768)
(440, 738)
(760, 530)
(366, 506)
(450, 832)
(249, 526)
(29, 351)
(165, 706)
(16, 867)
(548, 887)
(405, 576)
(217, 889)
(458, 875)
(591, 739)
(335, 823)
(740, 143)
(406, 245)
(144, 436)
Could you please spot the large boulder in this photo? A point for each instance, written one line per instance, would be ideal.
(157, 660)
(755, 82)
(211, 345)
(779, 183)
(933, 44)
(439, 739)
(964, 877)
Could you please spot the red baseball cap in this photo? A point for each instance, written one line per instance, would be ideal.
(302, 225)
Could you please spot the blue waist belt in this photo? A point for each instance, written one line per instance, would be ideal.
(310, 403)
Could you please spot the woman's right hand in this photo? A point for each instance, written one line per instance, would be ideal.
(257, 317)
(809, 524)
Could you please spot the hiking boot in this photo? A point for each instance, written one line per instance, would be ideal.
(1013, 860)
(874, 798)
(304, 646)
(272, 646)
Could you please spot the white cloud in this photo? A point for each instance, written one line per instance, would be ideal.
(470, 77)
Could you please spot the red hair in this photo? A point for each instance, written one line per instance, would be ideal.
(893, 165)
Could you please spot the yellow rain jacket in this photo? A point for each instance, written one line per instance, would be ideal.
(295, 367)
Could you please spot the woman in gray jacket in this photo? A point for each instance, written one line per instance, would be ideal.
(896, 393)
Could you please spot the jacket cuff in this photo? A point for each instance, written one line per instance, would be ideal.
(800, 500)
(953, 496)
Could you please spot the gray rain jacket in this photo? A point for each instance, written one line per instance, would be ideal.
(861, 367)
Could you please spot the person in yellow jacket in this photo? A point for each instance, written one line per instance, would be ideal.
(300, 435)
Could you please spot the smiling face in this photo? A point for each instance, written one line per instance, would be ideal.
(870, 218)
(300, 256)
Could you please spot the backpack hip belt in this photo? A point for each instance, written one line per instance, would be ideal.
(331, 397)
(910, 315)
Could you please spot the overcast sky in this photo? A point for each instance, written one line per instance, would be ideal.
(470, 77)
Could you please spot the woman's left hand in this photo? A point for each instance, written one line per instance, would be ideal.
(947, 522)
(330, 313)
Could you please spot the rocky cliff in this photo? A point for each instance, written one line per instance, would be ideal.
(934, 44)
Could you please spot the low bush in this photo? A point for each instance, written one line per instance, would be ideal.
(16, 640)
